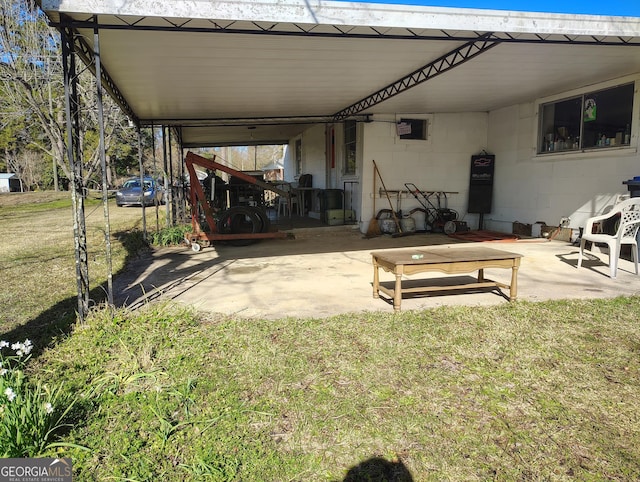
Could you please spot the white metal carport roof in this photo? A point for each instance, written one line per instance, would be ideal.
(260, 71)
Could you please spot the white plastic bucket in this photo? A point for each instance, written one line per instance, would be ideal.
(387, 226)
(408, 225)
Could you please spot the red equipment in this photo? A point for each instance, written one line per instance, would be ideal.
(241, 224)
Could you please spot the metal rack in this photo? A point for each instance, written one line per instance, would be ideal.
(399, 194)
(436, 214)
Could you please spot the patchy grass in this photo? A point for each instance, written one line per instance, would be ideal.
(34, 200)
(521, 391)
(37, 261)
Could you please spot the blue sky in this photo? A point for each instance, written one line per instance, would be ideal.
(590, 7)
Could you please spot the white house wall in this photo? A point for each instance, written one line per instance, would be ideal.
(527, 188)
(313, 156)
(549, 188)
(441, 163)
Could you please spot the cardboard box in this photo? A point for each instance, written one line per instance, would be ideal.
(558, 233)
(521, 229)
(334, 217)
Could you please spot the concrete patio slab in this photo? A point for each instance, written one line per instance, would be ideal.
(328, 271)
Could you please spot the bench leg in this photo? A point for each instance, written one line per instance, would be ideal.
(376, 279)
(513, 289)
(397, 292)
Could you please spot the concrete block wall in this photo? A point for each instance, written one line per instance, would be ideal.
(441, 163)
(527, 188)
(530, 188)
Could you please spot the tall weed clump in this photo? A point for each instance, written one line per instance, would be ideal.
(170, 236)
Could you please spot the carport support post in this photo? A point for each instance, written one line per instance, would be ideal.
(155, 173)
(173, 197)
(166, 177)
(182, 209)
(141, 165)
(72, 111)
(103, 165)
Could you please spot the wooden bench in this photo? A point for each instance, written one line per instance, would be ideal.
(449, 260)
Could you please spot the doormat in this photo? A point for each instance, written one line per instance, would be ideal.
(483, 236)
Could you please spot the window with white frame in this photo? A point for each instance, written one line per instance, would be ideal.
(592, 120)
(350, 145)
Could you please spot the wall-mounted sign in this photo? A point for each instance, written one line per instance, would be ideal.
(589, 110)
(481, 183)
(403, 128)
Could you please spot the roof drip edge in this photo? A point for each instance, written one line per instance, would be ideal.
(322, 12)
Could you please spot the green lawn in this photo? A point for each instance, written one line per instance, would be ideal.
(516, 392)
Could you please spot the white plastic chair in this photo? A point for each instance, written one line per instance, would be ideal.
(626, 232)
(283, 201)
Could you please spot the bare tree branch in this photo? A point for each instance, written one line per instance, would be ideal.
(32, 92)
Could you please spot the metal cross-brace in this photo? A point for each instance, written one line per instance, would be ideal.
(442, 64)
(216, 224)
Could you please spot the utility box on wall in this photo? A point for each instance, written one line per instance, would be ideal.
(481, 183)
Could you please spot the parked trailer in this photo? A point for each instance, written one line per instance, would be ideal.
(239, 224)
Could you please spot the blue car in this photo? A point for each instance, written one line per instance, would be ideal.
(130, 193)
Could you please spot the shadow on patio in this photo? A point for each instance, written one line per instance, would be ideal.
(327, 270)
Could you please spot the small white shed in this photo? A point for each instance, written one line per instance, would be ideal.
(10, 182)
